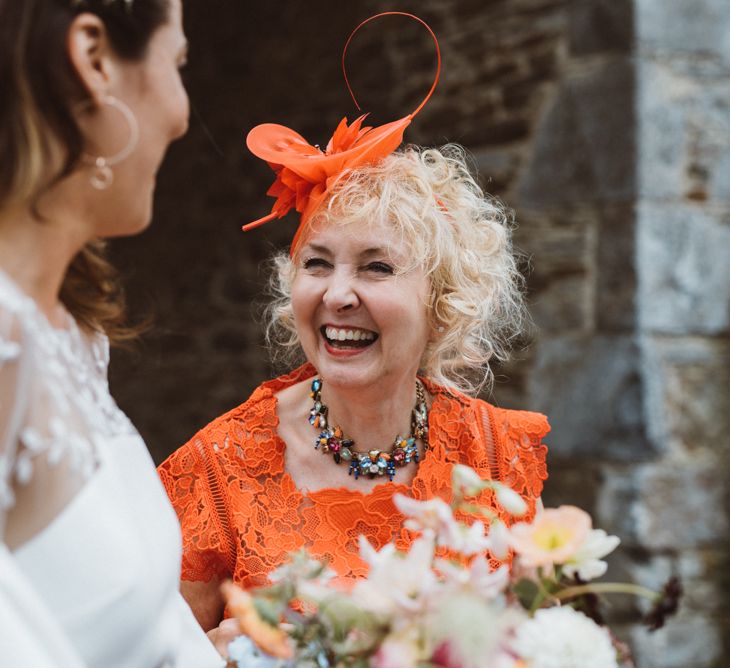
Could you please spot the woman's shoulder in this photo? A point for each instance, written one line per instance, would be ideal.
(245, 438)
(505, 419)
(260, 407)
(521, 454)
(515, 421)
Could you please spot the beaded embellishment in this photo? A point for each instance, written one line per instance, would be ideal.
(372, 463)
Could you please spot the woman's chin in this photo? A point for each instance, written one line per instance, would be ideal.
(134, 222)
(346, 372)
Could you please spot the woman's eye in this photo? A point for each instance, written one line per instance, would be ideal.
(315, 263)
(380, 268)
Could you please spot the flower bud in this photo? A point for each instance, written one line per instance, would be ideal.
(466, 480)
(498, 540)
(511, 501)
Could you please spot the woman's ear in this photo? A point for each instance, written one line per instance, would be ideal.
(91, 54)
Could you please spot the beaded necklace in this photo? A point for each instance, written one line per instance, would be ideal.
(372, 462)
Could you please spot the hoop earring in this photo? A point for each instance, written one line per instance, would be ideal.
(103, 176)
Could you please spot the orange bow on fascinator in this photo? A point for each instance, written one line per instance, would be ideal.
(305, 173)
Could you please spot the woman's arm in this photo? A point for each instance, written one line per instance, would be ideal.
(205, 600)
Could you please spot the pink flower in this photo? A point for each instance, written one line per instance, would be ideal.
(563, 536)
(467, 632)
(553, 537)
(447, 656)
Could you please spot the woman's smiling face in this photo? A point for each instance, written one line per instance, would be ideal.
(360, 320)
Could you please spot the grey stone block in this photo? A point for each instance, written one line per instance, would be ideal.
(570, 483)
(687, 641)
(584, 150)
(616, 269)
(590, 388)
(688, 393)
(559, 245)
(599, 26)
(616, 499)
(691, 26)
(683, 260)
(684, 135)
(680, 504)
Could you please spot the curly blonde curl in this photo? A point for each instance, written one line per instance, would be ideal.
(458, 234)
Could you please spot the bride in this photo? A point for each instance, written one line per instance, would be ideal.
(90, 550)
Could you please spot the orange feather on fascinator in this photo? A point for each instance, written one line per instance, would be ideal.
(304, 173)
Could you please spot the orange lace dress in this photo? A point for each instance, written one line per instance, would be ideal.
(242, 514)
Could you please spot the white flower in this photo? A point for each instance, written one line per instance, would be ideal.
(465, 539)
(499, 539)
(434, 514)
(466, 480)
(586, 562)
(510, 500)
(563, 638)
(477, 577)
(397, 583)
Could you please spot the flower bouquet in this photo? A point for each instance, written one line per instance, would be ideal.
(441, 603)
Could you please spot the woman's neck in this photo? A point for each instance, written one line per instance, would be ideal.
(36, 253)
(372, 417)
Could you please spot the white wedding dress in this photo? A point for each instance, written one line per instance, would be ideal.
(93, 579)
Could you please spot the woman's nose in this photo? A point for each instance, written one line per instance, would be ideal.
(341, 293)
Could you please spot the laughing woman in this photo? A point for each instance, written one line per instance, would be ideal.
(399, 289)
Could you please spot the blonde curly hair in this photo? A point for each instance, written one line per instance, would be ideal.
(460, 236)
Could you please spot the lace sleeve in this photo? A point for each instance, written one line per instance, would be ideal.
(520, 455)
(29, 634)
(15, 372)
(193, 484)
(42, 417)
(524, 454)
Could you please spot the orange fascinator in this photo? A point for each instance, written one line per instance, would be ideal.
(304, 173)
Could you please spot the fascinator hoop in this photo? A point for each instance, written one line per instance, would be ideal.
(305, 174)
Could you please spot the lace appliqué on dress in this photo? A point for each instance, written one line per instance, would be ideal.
(54, 394)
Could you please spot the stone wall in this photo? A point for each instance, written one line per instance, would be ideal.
(682, 497)
(604, 123)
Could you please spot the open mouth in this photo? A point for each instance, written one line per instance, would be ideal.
(348, 337)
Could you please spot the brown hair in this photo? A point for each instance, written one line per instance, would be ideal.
(40, 142)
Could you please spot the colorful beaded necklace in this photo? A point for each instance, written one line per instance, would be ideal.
(373, 462)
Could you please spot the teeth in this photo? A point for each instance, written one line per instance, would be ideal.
(335, 334)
